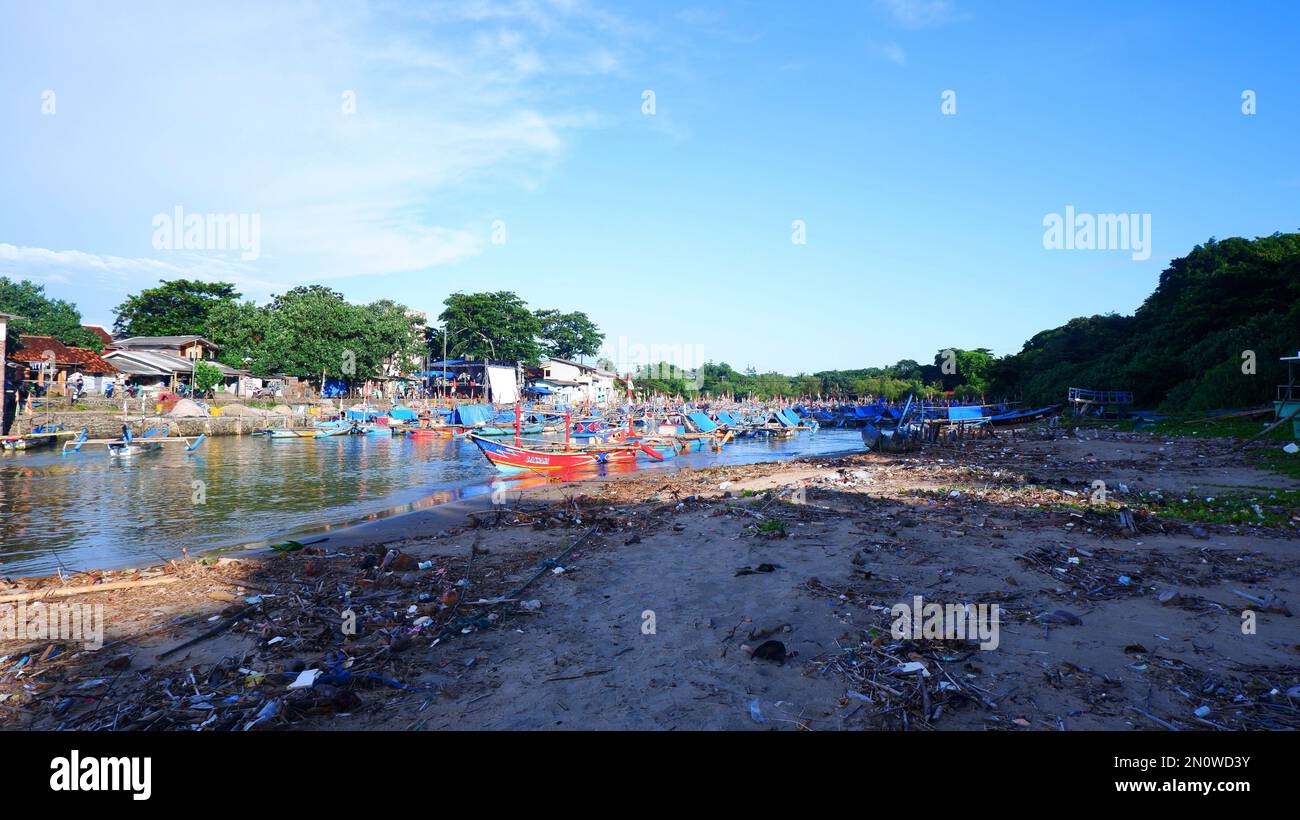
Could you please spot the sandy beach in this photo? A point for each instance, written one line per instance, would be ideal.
(743, 597)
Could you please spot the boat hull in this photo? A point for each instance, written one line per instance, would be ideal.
(35, 442)
(509, 458)
(128, 450)
(434, 432)
(1023, 417)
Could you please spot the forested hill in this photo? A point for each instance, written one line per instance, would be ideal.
(1183, 348)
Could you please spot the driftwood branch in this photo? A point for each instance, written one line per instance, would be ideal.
(68, 592)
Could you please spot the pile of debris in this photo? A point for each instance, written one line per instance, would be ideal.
(306, 633)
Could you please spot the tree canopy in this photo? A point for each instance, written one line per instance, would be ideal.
(43, 316)
(488, 326)
(1185, 347)
(500, 325)
(312, 329)
(206, 377)
(179, 307)
(568, 335)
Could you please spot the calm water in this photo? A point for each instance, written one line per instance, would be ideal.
(89, 511)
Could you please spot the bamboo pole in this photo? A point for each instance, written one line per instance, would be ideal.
(1272, 427)
(68, 592)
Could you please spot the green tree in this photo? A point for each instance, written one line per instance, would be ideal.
(312, 330)
(664, 378)
(179, 307)
(42, 315)
(568, 335)
(241, 329)
(206, 377)
(808, 385)
(1182, 349)
(488, 326)
(394, 339)
(972, 370)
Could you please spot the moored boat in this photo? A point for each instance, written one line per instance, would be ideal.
(1023, 416)
(45, 435)
(544, 457)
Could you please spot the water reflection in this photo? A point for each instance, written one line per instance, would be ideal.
(89, 511)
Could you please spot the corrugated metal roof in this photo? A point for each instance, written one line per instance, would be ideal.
(162, 341)
(131, 368)
(158, 363)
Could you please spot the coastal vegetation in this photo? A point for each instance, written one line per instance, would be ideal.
(42, 316)
(1209, 336)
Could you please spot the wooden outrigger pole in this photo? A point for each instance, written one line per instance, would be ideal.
(34, 440)
(128, 445)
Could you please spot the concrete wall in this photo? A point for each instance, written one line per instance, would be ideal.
(108, 425)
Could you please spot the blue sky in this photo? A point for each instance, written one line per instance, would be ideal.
(924, 229)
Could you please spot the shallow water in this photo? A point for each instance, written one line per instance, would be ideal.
(89, 511)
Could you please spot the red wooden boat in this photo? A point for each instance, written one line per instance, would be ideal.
(447, 431)
(515, 458)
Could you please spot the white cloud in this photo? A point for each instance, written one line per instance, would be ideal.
(919, 13)
(892, 52)
(240, 111)
(80, 269)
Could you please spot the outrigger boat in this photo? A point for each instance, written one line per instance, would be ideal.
(286, 433)
(345, 426)
(681, 431)
(434, 431)
(782, 423)
(44, 435)
(479, 419)
(553, 456)
(1023, 416)
(303, 433)
(130, 445)
(901, 436)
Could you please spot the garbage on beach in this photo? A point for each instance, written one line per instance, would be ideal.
(305, 679)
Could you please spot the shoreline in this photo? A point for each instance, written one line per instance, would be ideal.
(809, 551)
(440, 505)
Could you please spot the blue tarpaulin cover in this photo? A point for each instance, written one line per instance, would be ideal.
(964, 413)
(703, 422)
(402, 414)
(473, 414)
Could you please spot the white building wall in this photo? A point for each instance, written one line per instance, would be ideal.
(560, 370)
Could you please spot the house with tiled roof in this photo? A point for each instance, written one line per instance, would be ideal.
(165, 362)
(50, 363)
(105, 338)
